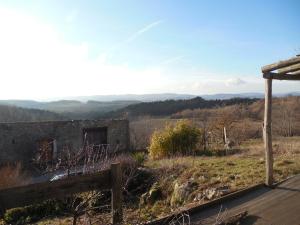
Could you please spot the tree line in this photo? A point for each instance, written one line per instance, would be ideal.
(169, 107)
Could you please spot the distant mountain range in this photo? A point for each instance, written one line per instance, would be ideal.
(246, 95)
(171, 96)
(132, 97)
(90, 106)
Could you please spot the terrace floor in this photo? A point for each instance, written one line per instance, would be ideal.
(278, 206)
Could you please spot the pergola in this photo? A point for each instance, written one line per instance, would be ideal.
(282, 70)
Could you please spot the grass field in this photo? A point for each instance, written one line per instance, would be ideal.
(230, 172)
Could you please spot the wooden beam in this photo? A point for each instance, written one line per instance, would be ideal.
(296, 73)
(289, 69)
(276, 76)
(116, 200)
(280, 64)
(34, 193)
(267, 134)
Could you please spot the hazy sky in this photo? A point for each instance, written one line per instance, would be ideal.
(71, 48)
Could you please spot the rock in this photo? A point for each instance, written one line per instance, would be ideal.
(178, 195)
(212, 193)
(223, 190)
(182, 192)
(154, 193)
(198, 197)
(152, 196)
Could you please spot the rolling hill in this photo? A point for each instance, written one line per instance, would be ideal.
(17, 114)
(71, 108)
(169, 107)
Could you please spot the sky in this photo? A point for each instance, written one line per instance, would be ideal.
(52, 49)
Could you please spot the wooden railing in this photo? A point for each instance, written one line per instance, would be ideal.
(34, 193)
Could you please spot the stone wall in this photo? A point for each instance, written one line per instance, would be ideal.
(18, 141)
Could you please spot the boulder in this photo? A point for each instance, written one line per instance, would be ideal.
(181, 192)
(212, 193)
(155, 193)
(152, 195)
(199, 197)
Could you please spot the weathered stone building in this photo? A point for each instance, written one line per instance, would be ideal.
(22, 141)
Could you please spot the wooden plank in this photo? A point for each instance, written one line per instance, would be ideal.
(268, 132)
(296, 73)
(289, 69)
(34, 193)
(265, 206)
(280, 64)
(276, 76)
(116, 201)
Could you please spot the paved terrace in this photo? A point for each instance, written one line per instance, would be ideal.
(278, 206)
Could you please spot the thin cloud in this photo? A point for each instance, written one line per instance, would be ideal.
(234, 82)
(143, 30)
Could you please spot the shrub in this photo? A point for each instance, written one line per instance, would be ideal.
(139, 157)
(32, 213)
(181, 139)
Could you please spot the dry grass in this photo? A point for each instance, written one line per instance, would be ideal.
(208, 171)
(234, 172)
(281, 146)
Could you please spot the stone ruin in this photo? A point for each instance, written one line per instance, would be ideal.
(25, 141)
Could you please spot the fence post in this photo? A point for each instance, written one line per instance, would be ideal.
(116, 199)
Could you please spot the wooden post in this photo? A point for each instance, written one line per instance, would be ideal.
(268, 132)
(225, 140)
(116, 199)
(225, 135)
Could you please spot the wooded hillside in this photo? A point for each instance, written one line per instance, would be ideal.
(17, 114)
(242, 121)
(169, 107)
